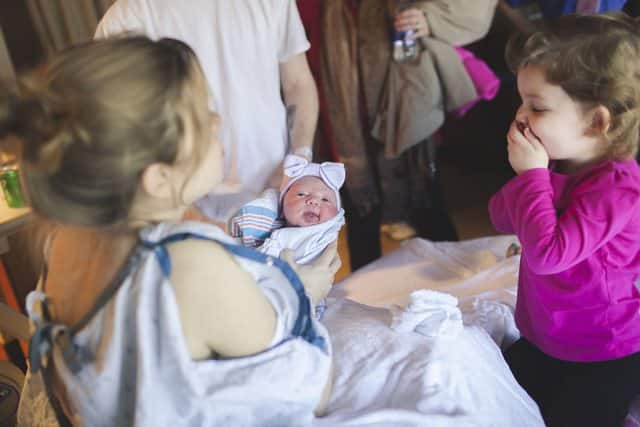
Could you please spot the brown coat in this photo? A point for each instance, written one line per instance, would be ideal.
(408, 102)
(404, 103)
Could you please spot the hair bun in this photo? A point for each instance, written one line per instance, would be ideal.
(40, 123)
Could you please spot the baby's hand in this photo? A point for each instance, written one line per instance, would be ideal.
(513, 250)
(525, 150)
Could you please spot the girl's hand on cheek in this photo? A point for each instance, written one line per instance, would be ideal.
(525, 150)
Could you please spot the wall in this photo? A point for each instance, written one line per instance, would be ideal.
(6, 66)
(20, 35)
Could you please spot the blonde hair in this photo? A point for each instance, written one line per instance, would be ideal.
(596, 61)
(93, 118)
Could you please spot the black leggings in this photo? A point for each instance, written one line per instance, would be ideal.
(581, 394)
(363, 233)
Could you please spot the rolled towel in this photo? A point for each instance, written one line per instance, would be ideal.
(429, 313)
(494, 317)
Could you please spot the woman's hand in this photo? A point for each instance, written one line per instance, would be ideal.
(525, 149)
(412, 19)
(317, 277)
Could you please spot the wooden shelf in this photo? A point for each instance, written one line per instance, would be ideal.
(12, 218)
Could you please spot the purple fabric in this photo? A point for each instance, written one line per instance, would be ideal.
(580, 235)
(485, 81)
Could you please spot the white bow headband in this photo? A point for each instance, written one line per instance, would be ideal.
(296, 167)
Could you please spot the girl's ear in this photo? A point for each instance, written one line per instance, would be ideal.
(600, 120)
(156, 181)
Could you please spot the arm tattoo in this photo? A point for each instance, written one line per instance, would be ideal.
(291, 118)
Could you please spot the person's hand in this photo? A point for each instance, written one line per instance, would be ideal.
(412, 19)
(317, 276)
(525, 149)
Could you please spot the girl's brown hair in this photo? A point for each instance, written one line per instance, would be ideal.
(596, 61)
(93, 118)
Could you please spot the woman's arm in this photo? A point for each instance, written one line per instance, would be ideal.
(326, 394)
(222, 310)
(316, 276)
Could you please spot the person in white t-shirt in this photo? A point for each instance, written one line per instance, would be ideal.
(253, 55)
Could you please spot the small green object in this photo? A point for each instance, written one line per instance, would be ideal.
(10, 180)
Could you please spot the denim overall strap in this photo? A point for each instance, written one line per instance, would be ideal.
(303, 326)
(47, 333)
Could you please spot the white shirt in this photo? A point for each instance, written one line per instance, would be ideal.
(240, 45)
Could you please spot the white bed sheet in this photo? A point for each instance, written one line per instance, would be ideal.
(383, 377)
(387, 378)
(475, 271)
(468, 269)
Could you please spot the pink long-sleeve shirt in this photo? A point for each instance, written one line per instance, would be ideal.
(580, 236)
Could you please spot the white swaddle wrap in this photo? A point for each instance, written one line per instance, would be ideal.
(306, 242)
(135, 368)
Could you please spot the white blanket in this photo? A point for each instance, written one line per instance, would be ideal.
(386, 377)
(425, 359)
(306, 242)
(469, 270)
(475, 271)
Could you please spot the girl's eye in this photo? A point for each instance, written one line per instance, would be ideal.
(324, 199)
(537, 109)
(301, 194)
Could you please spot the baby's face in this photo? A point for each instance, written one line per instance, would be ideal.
(309, 201)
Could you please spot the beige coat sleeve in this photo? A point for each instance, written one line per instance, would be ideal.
(458, 22)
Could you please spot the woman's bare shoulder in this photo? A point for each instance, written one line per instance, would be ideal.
(222, 309)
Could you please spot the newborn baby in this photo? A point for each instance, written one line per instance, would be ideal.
(308, 201)
(304, 216)
(309, 204)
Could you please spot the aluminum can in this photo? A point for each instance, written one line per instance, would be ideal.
(403, 50)
(11, 188)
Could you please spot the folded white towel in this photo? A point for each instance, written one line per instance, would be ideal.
(429, 313)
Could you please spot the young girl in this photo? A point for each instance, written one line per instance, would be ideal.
(143, 319)
(578, 305)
